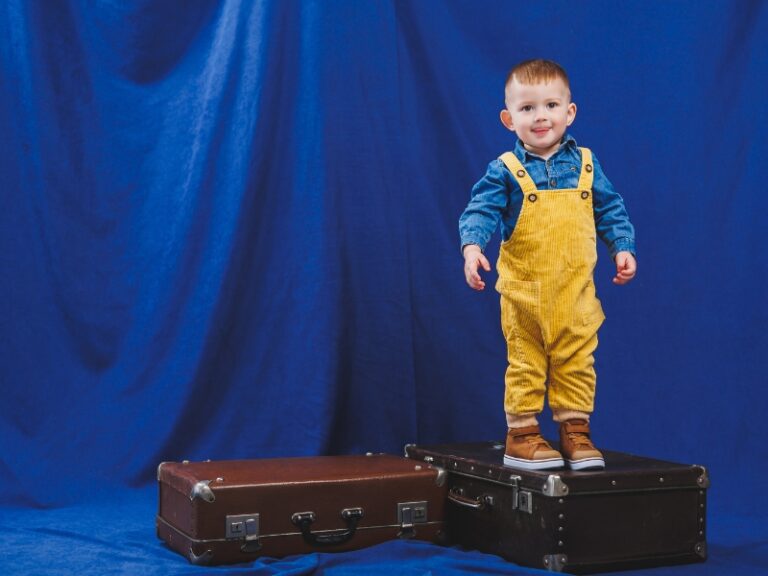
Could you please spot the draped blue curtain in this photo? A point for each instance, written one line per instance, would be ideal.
(228, 229)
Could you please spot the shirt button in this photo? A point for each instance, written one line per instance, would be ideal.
(552, 182)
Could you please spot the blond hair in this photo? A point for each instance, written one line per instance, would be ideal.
(537, 71)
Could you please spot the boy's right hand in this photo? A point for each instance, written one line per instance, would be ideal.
(473, 259)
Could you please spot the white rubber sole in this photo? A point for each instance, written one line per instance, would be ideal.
(586, 464)
(548, 464)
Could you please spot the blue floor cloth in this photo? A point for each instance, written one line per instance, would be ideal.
(115, 535)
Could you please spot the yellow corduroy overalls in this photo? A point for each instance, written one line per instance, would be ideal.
(549, 311)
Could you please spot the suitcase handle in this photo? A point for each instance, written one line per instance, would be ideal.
(456, 495)
(305, 519)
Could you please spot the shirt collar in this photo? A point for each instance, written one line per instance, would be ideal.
(520, 151)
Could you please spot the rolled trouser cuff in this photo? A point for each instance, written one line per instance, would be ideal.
(562, 414)
(521, 420)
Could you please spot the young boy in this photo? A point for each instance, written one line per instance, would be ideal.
(551, 199)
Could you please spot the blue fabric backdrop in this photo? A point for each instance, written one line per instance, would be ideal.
(229, 229)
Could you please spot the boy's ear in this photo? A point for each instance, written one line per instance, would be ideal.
(571, 114)
(506, 119)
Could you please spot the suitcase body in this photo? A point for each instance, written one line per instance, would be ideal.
(638, 512)
(236, 511)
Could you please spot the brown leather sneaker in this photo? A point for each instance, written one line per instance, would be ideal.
(577, 448)
(527, 449)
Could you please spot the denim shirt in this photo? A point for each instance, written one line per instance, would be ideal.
(497, 198)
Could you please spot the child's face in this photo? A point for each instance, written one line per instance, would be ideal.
(539, 114)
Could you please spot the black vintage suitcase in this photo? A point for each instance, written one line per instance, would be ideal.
(638, 512)
(235, 511)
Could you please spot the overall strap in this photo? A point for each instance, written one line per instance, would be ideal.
(587, 170)
(520, 174)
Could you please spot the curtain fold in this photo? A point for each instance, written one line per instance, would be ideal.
(228, 229)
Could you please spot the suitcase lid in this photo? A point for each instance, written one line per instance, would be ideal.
(202, 479)
(623, 472)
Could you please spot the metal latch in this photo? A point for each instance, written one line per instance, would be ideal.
(521, 499)
(525, 501)
(408, 514)
(244, 527)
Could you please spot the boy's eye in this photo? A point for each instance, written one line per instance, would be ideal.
(526, 108)
(551, 105)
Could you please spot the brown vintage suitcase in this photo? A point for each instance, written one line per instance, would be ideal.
(235, 511)
(638, 512)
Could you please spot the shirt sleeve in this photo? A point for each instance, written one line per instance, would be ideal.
(488, 201)
(611, 218)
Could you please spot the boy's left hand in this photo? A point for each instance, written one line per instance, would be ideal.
(626, 266)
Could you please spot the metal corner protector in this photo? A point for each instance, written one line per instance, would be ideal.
(555, 562)
(703, 479)
(203, 491)
(554, 486)
(159, 467)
